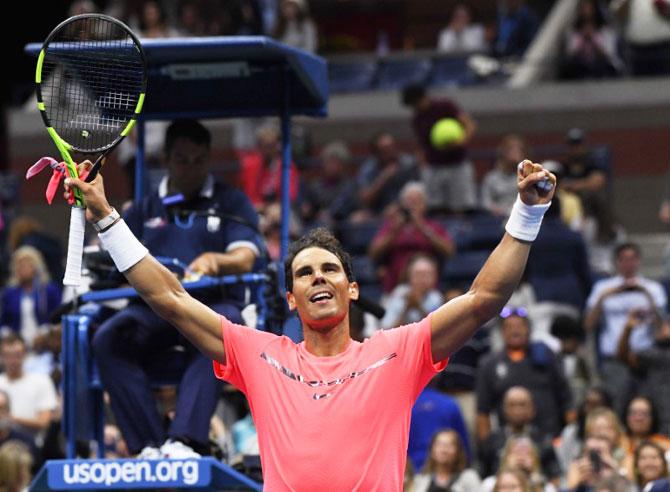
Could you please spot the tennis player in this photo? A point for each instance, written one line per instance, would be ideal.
(332, 413)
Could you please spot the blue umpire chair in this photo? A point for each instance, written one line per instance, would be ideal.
(216, 77)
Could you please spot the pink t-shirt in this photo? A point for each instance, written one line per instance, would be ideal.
(336, 423)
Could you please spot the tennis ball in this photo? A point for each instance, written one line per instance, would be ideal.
(446, 132)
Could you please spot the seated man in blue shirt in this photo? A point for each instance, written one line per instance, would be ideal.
(187, 219)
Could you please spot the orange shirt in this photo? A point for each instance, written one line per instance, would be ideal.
(337, 423)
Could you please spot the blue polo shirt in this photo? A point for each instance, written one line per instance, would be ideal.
(220, 219)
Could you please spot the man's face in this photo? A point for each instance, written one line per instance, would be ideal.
(13, 355)
(321, 290)
(515, 332)
(386, 149)
(422, 275)
(268, 145)
(628, 262)
(188, 165)
(518, 407)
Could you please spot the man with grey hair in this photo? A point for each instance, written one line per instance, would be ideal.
(328, 196)
(408, 231)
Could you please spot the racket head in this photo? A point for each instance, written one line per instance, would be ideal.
(90, 81)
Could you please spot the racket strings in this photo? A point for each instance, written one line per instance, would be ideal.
(95, 74)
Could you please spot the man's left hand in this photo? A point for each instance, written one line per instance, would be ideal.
(529, 175)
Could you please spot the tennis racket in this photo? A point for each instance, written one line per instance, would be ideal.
(90, 82)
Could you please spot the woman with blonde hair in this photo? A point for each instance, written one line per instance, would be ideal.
(511, 480)
(30, 296)
(521, 454)
(604, 423)
(447, 466)
(15, 463)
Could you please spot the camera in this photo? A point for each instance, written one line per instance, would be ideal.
(596, 460)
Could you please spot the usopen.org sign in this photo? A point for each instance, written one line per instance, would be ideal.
(121, 474)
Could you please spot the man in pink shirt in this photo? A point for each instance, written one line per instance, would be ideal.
(331, 413)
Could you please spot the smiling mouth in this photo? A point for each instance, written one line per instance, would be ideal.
(320, 297)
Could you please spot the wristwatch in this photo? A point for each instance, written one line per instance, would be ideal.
(106, 222)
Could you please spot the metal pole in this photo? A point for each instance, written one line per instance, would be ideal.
(139, 161)
(286, 173)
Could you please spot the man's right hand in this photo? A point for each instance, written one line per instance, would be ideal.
(97, 206)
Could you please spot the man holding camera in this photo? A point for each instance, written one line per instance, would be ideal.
(608, 308)
(406, 232)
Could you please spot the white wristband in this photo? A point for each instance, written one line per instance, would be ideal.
(123, 246)
(525, 220)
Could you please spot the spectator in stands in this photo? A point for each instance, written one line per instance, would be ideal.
(153, 22)
(461, 34)
(115, 446)
(516, 27)
(414, 299)
(596, 470)
(30, 297)
(8, 432)
(498, 191)
(408, 231)
(591, 46)
(186, 219)
(458, 378)
(260, 177)
(604, 423)
(511, 480)
(295, 27)
(382, 177)
(651, 468)
(647, 33)
(584, 170)
(609, 307)
(26, 231)
(642, 424)
(653, 363)
(522, 363)
(447, 466)
(329, 196)
(270, 227)
(520, 453)
(434, 411)
(519, 411)
(448, 173)
(190, 21)
(570, 443)
(558, 270)
(32, 396)
(570, 334)
(15, 465)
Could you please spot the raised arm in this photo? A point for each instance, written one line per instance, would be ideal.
(157, 286)
(456, 321)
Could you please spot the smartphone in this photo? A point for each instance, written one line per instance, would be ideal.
(596, 460)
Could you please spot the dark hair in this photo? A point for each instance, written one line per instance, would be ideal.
(461, 457)
(655, 422)
(638, 450)
(191, 129)
(412, 94)
(317, 238)
(623, 246)
(12, 338)
(566, 327)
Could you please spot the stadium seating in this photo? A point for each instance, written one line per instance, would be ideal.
(395, 73)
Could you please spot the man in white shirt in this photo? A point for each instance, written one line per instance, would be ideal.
(32, 396)
(608, 306)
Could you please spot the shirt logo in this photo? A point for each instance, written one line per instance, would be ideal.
(318, 384)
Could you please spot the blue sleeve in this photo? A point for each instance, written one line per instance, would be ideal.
(4, 314)
(54, 296)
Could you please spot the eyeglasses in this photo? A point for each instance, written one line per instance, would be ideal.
(508, 311)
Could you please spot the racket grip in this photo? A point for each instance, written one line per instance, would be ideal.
(75, 247)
